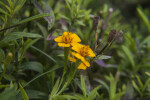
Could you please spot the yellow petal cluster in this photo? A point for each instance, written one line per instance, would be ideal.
(67, 39)
(81, 52)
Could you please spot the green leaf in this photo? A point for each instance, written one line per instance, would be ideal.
(44, 32)
(113, 85)
(4, 12)
(9, 93)
(140, 82)
(31, 42)
(118, 96)
(146, 40)
(136, 87)
(51, 70)
(83, 86)
(32, 94)
(1, 3)
(10, 3)
(19, 5)
(79, 96)
(100, 57)
(3, 86)
(79, 22)
(51, 18)
(33, 18)
(35, 66)
(103, 83)
(44, 53)
(129, 55)
(64, 97)
(146, 83)
(2, 55)
(18, 35)
(23, 93)
(55, 89)
(129, 90)
(4, 5)
(93, 93)
(68, 5)
(147, 73)
(9, 77)
(144, 18)
(63, 16)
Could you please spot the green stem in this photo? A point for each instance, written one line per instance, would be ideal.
(70, 77)
(66, 54)
(6, 63)
(3, 72)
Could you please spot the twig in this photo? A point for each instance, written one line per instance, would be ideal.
(105, 24)
(9, 27)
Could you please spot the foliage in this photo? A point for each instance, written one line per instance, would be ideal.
(33, 66)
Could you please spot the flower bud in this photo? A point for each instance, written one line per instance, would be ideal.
(10, 54)
(95, 22)
(110, 10)
(111, 35)
(8, 58)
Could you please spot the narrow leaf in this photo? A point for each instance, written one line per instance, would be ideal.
(83, 86)
(44, 54)
(144, 18)
(129, 55)
(64, 97)
(18, 35)
(100, 57)
(50, 19)
(35, 66)
(4, 12)
(51, 70)
(93, 93)
(30, 43)
(23, 93)
(55, 88)
(140, 82)
(33, 18)
(103, 83)
(136, 87)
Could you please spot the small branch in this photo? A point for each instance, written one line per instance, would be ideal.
(9, 27)
(110, 39)
(105, 24)
(102, 49)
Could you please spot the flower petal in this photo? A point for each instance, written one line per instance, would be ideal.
(72, 59)
(59, 39)
(91, 53)
(75, 38)
(72, 53)
(86, 63)
(63, 45)
(82, 66)
(76, 47)
(77, 55)
(66, 33)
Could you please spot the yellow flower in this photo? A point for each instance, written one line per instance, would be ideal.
(82, 51)
(67, 39)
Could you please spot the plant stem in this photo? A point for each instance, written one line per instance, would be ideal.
(66, 54)
(70, 77)
(9, 27)
(3, 72)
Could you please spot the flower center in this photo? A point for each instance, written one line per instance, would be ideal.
(84, 51)
(67, 39)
